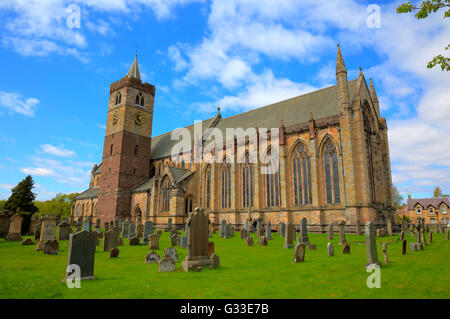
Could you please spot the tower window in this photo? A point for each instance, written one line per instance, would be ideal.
(136, 148)
(111, 150)
(139, 100)
(134, 172)
(118, 98)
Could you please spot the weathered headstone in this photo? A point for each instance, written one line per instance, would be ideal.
(126, 229)
(243, 233)
(51, 247)
(37, 231)
(109, 240)
(139, 230)
(389, 227)
(430, 237)
(64, 231)
(152, 258)
(198, 245)
(223, 225)
(258, 224)
(385, 256)
(119, 241)
(172, 253)
(114, 252)
(303, 232)
(269, 231)
(153, 242)
(15, 228)
(169, 225)
(28, 241)
(402, 235)
(246, 226)
(299, 252)
(262, 241)
(346, 249)
(34, 222)
(249, 241)
(132, 232)
(289, 236)
(134, 241)
(227, 231)
(48, 229)
(211, 249)
(342, 240)
(358, 227)
(311, 246)
(381, 232)
(282, 229)
(81, 252)
(404, 243)
(106, 226)
(148, 230)
(371, 245)
(87, 225)
(5, 218)
(330, 249)
(330, 232)
(446, 234)
(183, 242)
(166, 264)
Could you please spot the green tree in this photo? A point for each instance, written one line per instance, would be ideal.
(438, 192)
(2, 204)
(422, 12)
(61, 204)
(397, 199)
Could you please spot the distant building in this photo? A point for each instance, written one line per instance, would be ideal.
(432, 209)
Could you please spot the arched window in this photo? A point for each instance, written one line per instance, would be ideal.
(247, 183)
(301, 173)
(142, 100)
(139, 99)
(118, 98)
(136, 149)
(330, 165)
(165, 195)
(208, 187)
(226, 186)
(111, 149)
(369, 151)
(272, 183)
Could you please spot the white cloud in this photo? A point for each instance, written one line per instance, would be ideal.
(38, 171)
(57, 151)
(6, 186)
(15, 102)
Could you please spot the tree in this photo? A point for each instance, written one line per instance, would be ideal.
(397, 199)
(61, 204)
(2, 204)
(438, 192)
(22, 201)
(426, 8)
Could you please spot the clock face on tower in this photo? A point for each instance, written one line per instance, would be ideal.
(115, 118)
(139, 119)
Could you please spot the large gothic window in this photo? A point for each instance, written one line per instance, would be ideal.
(301, 173)
(330, 163)
(165, 195)
(247, 183)
(226, 186)
(369, 151)
(272, 183)
(118, 98)
(208, 187)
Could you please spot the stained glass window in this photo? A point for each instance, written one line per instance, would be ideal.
(301, 176)
(247, 184)
(331, 174)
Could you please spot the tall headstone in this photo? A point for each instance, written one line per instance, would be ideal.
(358, 227)
(243, 233)
(371, 245)
(64, 231)
(446, 234)
(402, 235)
(106, 226)
(132, 232)
(258, 224)
(15, 228)
(51, 247)
(87, 225)
(153, 242)
(5, 218)
(404, 246)
(34, 222)
(299, 253)
(109, 240)
(197, 254)
(389, 227)
(303, 232)
(37, 231)
(227, 231)
(169, 224)
(282, 229)
(385, 256)
(126, 229)
(268, 231)
(342, 240)
(81, 252)
(330, 232)
(148, 230)
(246, 226)
(289, 236)
(330, 249)
(48, 230)
(223, 224)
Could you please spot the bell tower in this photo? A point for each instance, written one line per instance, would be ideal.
(126, 150)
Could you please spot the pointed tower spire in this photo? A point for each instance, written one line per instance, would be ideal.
(134, 70)
(374, 97)
(341, 79)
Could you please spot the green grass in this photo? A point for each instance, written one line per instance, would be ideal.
(244, 272)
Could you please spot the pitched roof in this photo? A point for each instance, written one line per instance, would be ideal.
(98, 170)
(179, 173)
(90, 193)
(133, 72)
(425, 202)
(321, 103)
(143, 187)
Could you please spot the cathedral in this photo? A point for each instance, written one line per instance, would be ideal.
(333, 160)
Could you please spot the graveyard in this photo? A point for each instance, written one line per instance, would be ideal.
(255, 271)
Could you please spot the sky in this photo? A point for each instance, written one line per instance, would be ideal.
(200, 55)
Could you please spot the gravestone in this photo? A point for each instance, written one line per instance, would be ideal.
(303, 232)
(34, 222)
(289, 236)
(139, 230)
(64, 231)
(159, 233)
(246, 226)
(51, 247)
(231, 231)
(183, 242)
(385, 256)
(358, 227)
(262, 241)
(134, 241)
(211, 249)
(282, 229)
(430, 237)
(109, 240)
(48, 229)
(153, 242)
(227, 231)
(28, 241)
(249, 241)
(260, 231)
(15, 228)
(132, 232)
(389, 227)
(342, 240)
(106, 227)
(371, 245)
(114, 252)
(243, 233)
(258, 224)
(5, 218)
(119, 241)
(402, 235)
(169, 225)
(81, 252)
(212, 229)
(381, 232)
(446, 234)
(172, 253)
(269, 231)
(299, 253)
(346, 249)
(111, 225)
(148, 230)
(417, 245)
(37, 231)
(173, 240)
(404, 246)
(330, 249)
(166, 264)
(223, 225)
(87, 225)
(152, 258)
(126, 229)
(198, 245)
(330, 232)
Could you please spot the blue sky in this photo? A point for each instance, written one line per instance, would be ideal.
(203, 54)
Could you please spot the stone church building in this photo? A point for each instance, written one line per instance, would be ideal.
(333, 162)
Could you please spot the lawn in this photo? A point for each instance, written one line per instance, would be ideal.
(244, 272)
